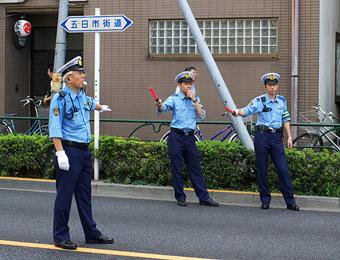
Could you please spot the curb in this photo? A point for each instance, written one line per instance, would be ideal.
(240, 198)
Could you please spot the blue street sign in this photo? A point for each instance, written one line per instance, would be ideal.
(96, 23)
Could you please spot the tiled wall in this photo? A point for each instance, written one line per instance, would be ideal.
(126, 70)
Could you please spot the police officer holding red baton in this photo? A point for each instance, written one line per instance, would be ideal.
(186, 110)
(273, 116)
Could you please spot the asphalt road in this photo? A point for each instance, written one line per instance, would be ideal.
(159, 227)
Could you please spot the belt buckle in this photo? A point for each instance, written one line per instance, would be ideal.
(272, 130)
(186, 133)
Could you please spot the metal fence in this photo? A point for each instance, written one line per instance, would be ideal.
(322, 136)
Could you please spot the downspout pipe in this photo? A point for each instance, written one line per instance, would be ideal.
(295, 65)
(60, 45)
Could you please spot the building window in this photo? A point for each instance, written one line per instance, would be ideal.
(223, 36)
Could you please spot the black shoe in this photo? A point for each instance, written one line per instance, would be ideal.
(66, 245)
(293, 207)
(265, 206)
(209, 203)
(181, 203)
(100, 240)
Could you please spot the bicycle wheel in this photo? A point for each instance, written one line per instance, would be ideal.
(5, 129)
(308, 140)
(43, 130)
(166, 136)
(234, 137)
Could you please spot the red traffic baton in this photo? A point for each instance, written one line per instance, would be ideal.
(230, 111)
(153, 94)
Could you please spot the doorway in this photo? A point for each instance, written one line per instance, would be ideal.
(43, 46)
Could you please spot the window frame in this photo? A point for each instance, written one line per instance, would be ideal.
(224, 56)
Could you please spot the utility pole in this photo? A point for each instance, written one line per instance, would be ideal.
(60, 46)
(214, 72)
(295, 65)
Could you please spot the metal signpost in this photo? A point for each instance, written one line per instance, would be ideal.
(97, 24)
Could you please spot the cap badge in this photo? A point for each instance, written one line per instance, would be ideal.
(272, 77)
(187, 76)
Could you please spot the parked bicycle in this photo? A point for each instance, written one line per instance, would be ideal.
(318, 137)
(7, 126)
(226, 134)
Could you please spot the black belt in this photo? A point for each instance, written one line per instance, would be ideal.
(268, 129)
(182, 132)
(83, 146)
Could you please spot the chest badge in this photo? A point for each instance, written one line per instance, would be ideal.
(56, 111)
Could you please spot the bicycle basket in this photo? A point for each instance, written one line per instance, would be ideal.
(310, 116)
(43, 111)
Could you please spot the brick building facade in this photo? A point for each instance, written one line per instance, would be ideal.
(129, 64)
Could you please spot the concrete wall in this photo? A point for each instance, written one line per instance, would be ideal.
(329, 25)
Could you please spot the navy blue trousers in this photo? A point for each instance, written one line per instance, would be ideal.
(271, 144)
(76, 181)
(183, 149)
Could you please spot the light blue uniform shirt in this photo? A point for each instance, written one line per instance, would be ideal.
(184, 112)
(70, 116)
(274, 118)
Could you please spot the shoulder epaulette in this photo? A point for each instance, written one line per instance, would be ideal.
(62, 93)
(281, 97)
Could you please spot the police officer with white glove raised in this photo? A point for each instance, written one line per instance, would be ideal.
(69, 129)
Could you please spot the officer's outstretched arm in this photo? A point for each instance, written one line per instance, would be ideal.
(102, 108)
(239, 112)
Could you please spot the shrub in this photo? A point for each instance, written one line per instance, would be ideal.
(131, 161)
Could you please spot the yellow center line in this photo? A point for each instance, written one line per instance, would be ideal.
(99, 251)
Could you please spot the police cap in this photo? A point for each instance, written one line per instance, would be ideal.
(185, 76)
(270, 78)
(73, 65)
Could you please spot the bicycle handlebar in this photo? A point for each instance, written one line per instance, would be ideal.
(330, 115)
(28, 99)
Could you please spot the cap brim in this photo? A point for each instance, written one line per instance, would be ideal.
(185, 80)
(271, 82)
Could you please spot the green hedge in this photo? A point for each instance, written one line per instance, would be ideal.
(26, 156)
(131, 161)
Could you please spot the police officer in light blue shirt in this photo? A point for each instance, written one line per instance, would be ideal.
(69, 129)
(194, 72)
(273, 116)
(186, 109)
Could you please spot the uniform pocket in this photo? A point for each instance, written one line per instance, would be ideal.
(87, 113)
(193, 111)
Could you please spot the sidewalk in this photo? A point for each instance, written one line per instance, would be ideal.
(240, 198)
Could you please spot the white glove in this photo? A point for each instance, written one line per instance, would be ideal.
(105, 108)
(62, 160)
